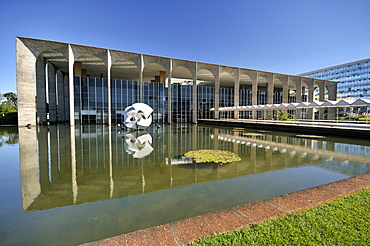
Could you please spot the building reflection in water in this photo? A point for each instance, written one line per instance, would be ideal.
(63, 166)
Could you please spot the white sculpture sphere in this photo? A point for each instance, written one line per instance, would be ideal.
(138, 116)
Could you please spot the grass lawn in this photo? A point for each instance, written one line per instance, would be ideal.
(345, 221)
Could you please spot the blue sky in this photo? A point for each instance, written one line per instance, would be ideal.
(283, 36)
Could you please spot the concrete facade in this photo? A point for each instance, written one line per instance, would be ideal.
(45, 64)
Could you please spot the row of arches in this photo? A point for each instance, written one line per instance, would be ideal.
(58, 64)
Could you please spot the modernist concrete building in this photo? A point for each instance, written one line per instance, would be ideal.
(353, 79)
(62, 82)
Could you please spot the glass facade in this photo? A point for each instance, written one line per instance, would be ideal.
(226, 99)
(205, 102)
(245, 99)
(91, 100)
(156, 96)
(124, 94)
(353, 79)
(182, 103)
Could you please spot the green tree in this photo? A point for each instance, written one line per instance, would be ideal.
(11, 97)
(7, 107)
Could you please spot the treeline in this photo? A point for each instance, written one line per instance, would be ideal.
(8, 109)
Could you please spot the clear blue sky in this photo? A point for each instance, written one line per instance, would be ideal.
(284, 36)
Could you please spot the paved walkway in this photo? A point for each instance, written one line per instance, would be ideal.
(189, 230)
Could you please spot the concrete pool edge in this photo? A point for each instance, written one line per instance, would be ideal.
(189, 230)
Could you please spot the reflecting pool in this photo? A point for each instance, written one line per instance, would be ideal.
(64, 185)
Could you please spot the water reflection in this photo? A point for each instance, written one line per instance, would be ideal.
(8, 135)
(62, 166)
(138, 144)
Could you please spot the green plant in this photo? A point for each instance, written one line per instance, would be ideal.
(364, 118)
(211, 155)
(282, 115)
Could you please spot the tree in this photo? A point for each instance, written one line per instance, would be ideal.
(7, 107)
(11, 97)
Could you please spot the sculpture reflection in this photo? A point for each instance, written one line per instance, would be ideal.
(138, 144)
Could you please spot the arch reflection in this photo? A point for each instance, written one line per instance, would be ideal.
(64, 166)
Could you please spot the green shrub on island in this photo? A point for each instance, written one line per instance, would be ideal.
(354, 118)
(213, 156)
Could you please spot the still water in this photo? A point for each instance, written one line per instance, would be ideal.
(70, 185)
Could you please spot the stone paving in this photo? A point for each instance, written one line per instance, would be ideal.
(189, 230)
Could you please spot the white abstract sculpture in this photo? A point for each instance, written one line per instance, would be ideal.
(140, 145)
(138, 116)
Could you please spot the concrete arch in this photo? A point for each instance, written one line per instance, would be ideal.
(117, 56)
(36, 47)
(332, 90)
(310, 88)
(89, 65)
(213, 69)
(125, 69)
(154, 72)
(234, 72)
(163, 62)
(86, 51)
(185, 66)
(182, 72)
(226, 80)
(207, 76)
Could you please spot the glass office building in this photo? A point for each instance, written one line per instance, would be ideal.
(353, 79)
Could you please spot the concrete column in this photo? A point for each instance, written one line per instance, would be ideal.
(236, 94)
(321, 98)
(217, 92)
(52, 94)
(332, 90)
(73, 164)
(60, 96)
(298, 96)
(270, 94)
(141, 73)
(70, 86)
(321, 91)
(311, 91)
(298, 93)
(25, 62)
(41, 90)
(215, 139)
(284, 81)
(162, 76)
(270, 88)
(43, 152)
(303, 92)
(254, 94)
(29, 164)
(109, 66)
(77, 68)
(170, 94)
(195, 96)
